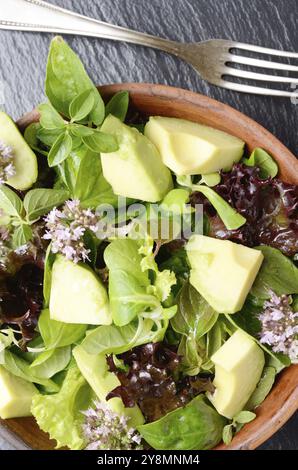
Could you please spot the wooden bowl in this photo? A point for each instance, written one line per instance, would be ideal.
(167, 101)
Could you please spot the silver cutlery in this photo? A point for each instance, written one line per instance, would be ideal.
(215, 60)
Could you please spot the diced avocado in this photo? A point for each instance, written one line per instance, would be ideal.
(222, 271)
(189, 148)
(15, 395)
(135, 170)
(238, 368)
(95, 370)
(24, 160)
(77, 294)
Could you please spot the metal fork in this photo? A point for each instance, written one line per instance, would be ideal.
(212, 59)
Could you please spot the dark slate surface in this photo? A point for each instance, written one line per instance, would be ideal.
(270, 23)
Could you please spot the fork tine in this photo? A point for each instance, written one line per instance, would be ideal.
(258, 76)
(263, 50)
(255, 89)
(261, 63)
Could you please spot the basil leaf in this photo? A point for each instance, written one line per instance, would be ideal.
(230, 217)
(10, 202)
(118, 105)
(40, 201)
(101, 142)
(48, 137)
(19, 367)
(50, 362)
(58, 334)
(81, 131)
(244, 417)
(193, 320)
(81, 105)
(66, 78)
(47, 275)
(188, 349)
(90, 186)
(60, 150)
(277, 273)
(260, 158)
(49, 118)
(264, 386)
(21, 235)
(215, 338)
(194, 313)
(196, 426)
(30, 135)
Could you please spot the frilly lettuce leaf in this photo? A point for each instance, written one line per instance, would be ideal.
(60, 415)
(163, 280)
(132, 292)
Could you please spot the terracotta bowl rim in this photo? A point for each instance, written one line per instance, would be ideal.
(253, 434)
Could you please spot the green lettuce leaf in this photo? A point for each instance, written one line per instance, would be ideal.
(61, 415)
(127, 282)
(197, 426)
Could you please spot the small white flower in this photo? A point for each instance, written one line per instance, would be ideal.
(105, 429)
(280, 326)
(7, 168)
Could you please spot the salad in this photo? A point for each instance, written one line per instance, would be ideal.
(149, 287)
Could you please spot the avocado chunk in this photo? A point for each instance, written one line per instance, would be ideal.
(135, 170)
(15, 395)
(24, 160)
(77, 294)
(189, 148)
(222, 271)
(95, 370)
(238, 368)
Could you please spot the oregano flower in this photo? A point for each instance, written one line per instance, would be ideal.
(105, 429)
(66, 229)
(7, 169)
(280, 326)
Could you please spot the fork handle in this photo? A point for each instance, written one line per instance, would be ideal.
(37, 15)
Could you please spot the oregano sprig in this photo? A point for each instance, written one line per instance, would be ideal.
(21, 215)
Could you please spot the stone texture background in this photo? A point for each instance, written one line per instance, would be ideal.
(270, 23)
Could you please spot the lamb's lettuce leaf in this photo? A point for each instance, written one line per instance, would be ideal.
(112, 339)
(21, 368)
(56, 334)
(264, 161)
(60, 414)
(50, 362)
(230, 217)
